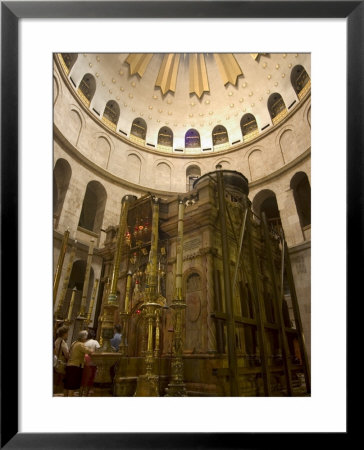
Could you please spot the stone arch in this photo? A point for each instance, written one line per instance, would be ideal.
(163, 176)
(93, 207)
(192, 173)
(287, 145)
(76, 124)
(134, 165)
(266, 201)
(302, 197)
(61, 178)
(55, 89)
(102, 152)
(256, 164)
(225, 164)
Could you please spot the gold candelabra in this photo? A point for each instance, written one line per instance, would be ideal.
(176, 388)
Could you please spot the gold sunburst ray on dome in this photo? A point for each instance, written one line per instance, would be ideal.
(138, 62)
(167, 75)
(166, 81)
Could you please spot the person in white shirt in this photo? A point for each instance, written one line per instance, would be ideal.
(90, 368)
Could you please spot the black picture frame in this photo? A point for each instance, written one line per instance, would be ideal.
(11, 12)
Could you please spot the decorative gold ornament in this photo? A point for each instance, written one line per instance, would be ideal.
(198, 75)
(167, 76)
(138, 62)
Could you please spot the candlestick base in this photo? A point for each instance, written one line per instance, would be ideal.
(147, 386)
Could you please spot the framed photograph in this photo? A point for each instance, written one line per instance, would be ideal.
(125, 127)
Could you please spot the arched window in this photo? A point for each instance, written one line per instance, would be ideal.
(266, 201)
(93, 207)
(68, 60)
(192, 173)
(220, 136)
(138, 131)
(249, 127)
(302, 196)
(276, 107)
(192, 139)
(111, 114)
(300, 80)
(87, 88)
(165, 137)
(61, 179)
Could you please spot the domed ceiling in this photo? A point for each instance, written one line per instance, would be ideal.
(170, 94)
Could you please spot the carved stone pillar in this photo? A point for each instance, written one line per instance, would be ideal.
(289, 218)
(211, 323)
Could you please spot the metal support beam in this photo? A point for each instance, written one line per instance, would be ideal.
(278, 306)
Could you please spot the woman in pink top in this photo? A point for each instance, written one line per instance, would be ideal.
(89, 369)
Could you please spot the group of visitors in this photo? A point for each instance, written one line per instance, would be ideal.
(74, 368)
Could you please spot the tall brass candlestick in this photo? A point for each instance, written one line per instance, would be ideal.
(127, 199)
(147, 385)
(66, 281)
(107, 323)
(57, 275)
(153, 254)
(69, 317)
(127, 293)
(176, 388)
(87, 278)
(91, 307)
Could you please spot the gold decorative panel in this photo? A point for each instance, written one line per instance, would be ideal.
(137, 140)
(304, 90)
(82, 96)
(279, 116)
(63, 64)
(167, 76)
(250, 136)
(138, 62)
(228, 67)
(198, 75)
(109, 124)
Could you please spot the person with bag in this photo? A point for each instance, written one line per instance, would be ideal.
(60, 358)
(75, 364)
(89, 369)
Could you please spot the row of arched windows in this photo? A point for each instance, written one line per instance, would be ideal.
(277, 109)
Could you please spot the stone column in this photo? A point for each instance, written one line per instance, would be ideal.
(289, 218)
(211, 323)
(66, 280)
